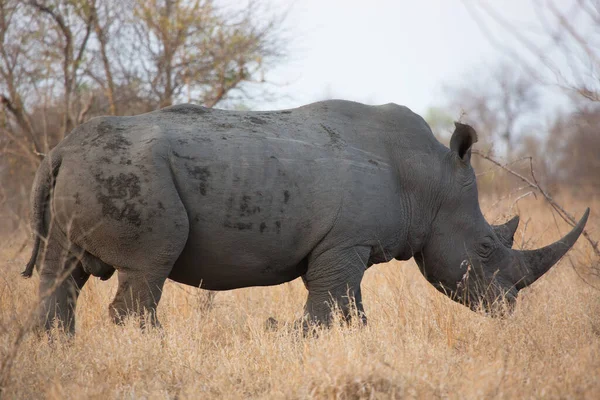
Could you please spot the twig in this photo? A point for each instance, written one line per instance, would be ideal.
(533, 183)
(504, 197)
(84, 111)
(523, 242)
(521, 197)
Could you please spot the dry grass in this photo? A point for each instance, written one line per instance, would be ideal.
(417, 344)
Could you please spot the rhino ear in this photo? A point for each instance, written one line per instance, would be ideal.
(463, 138)
(506, 232)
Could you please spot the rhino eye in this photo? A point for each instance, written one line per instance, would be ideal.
(486, 247)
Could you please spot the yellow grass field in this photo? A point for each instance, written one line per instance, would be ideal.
(418, 343)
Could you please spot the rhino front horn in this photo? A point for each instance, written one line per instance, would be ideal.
(532, 264)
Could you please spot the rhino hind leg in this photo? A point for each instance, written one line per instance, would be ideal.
(62, 277)
(138, 294)
(141, 281)
(333, 282)
(143, 270)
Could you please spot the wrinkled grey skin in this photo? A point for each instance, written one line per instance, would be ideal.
(225, 200)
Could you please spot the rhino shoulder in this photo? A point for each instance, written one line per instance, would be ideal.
(404, 117)
(393, 110)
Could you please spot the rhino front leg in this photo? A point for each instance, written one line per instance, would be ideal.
(333, 280)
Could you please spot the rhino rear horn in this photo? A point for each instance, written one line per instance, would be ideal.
(532, 264)
(506, 232)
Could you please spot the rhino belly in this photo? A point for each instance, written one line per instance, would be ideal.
(223, 259)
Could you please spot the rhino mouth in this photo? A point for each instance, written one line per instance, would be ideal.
(489, 297)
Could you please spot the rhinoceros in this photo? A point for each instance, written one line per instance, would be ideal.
(231, 199)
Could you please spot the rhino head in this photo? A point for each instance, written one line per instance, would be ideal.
(470, 260)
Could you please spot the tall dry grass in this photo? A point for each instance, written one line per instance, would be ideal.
(417, 344)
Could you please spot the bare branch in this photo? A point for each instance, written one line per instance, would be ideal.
(102, 37)
(575, 69)
(85, 110)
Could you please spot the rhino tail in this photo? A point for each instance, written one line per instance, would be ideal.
(43, 184)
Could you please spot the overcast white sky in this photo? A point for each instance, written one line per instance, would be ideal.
(380, 51)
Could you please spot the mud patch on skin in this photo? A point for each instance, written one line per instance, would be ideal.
(225, 126)
(124, 161)
(336, 140)
(114, 140)
(202, 175)
(104, 128)
(110, 136)
(242, 226)
(117, 142)
(286, 196)
(119, 197)
(375, 163)
(246, 208)
(257, 121)
(240, 212)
